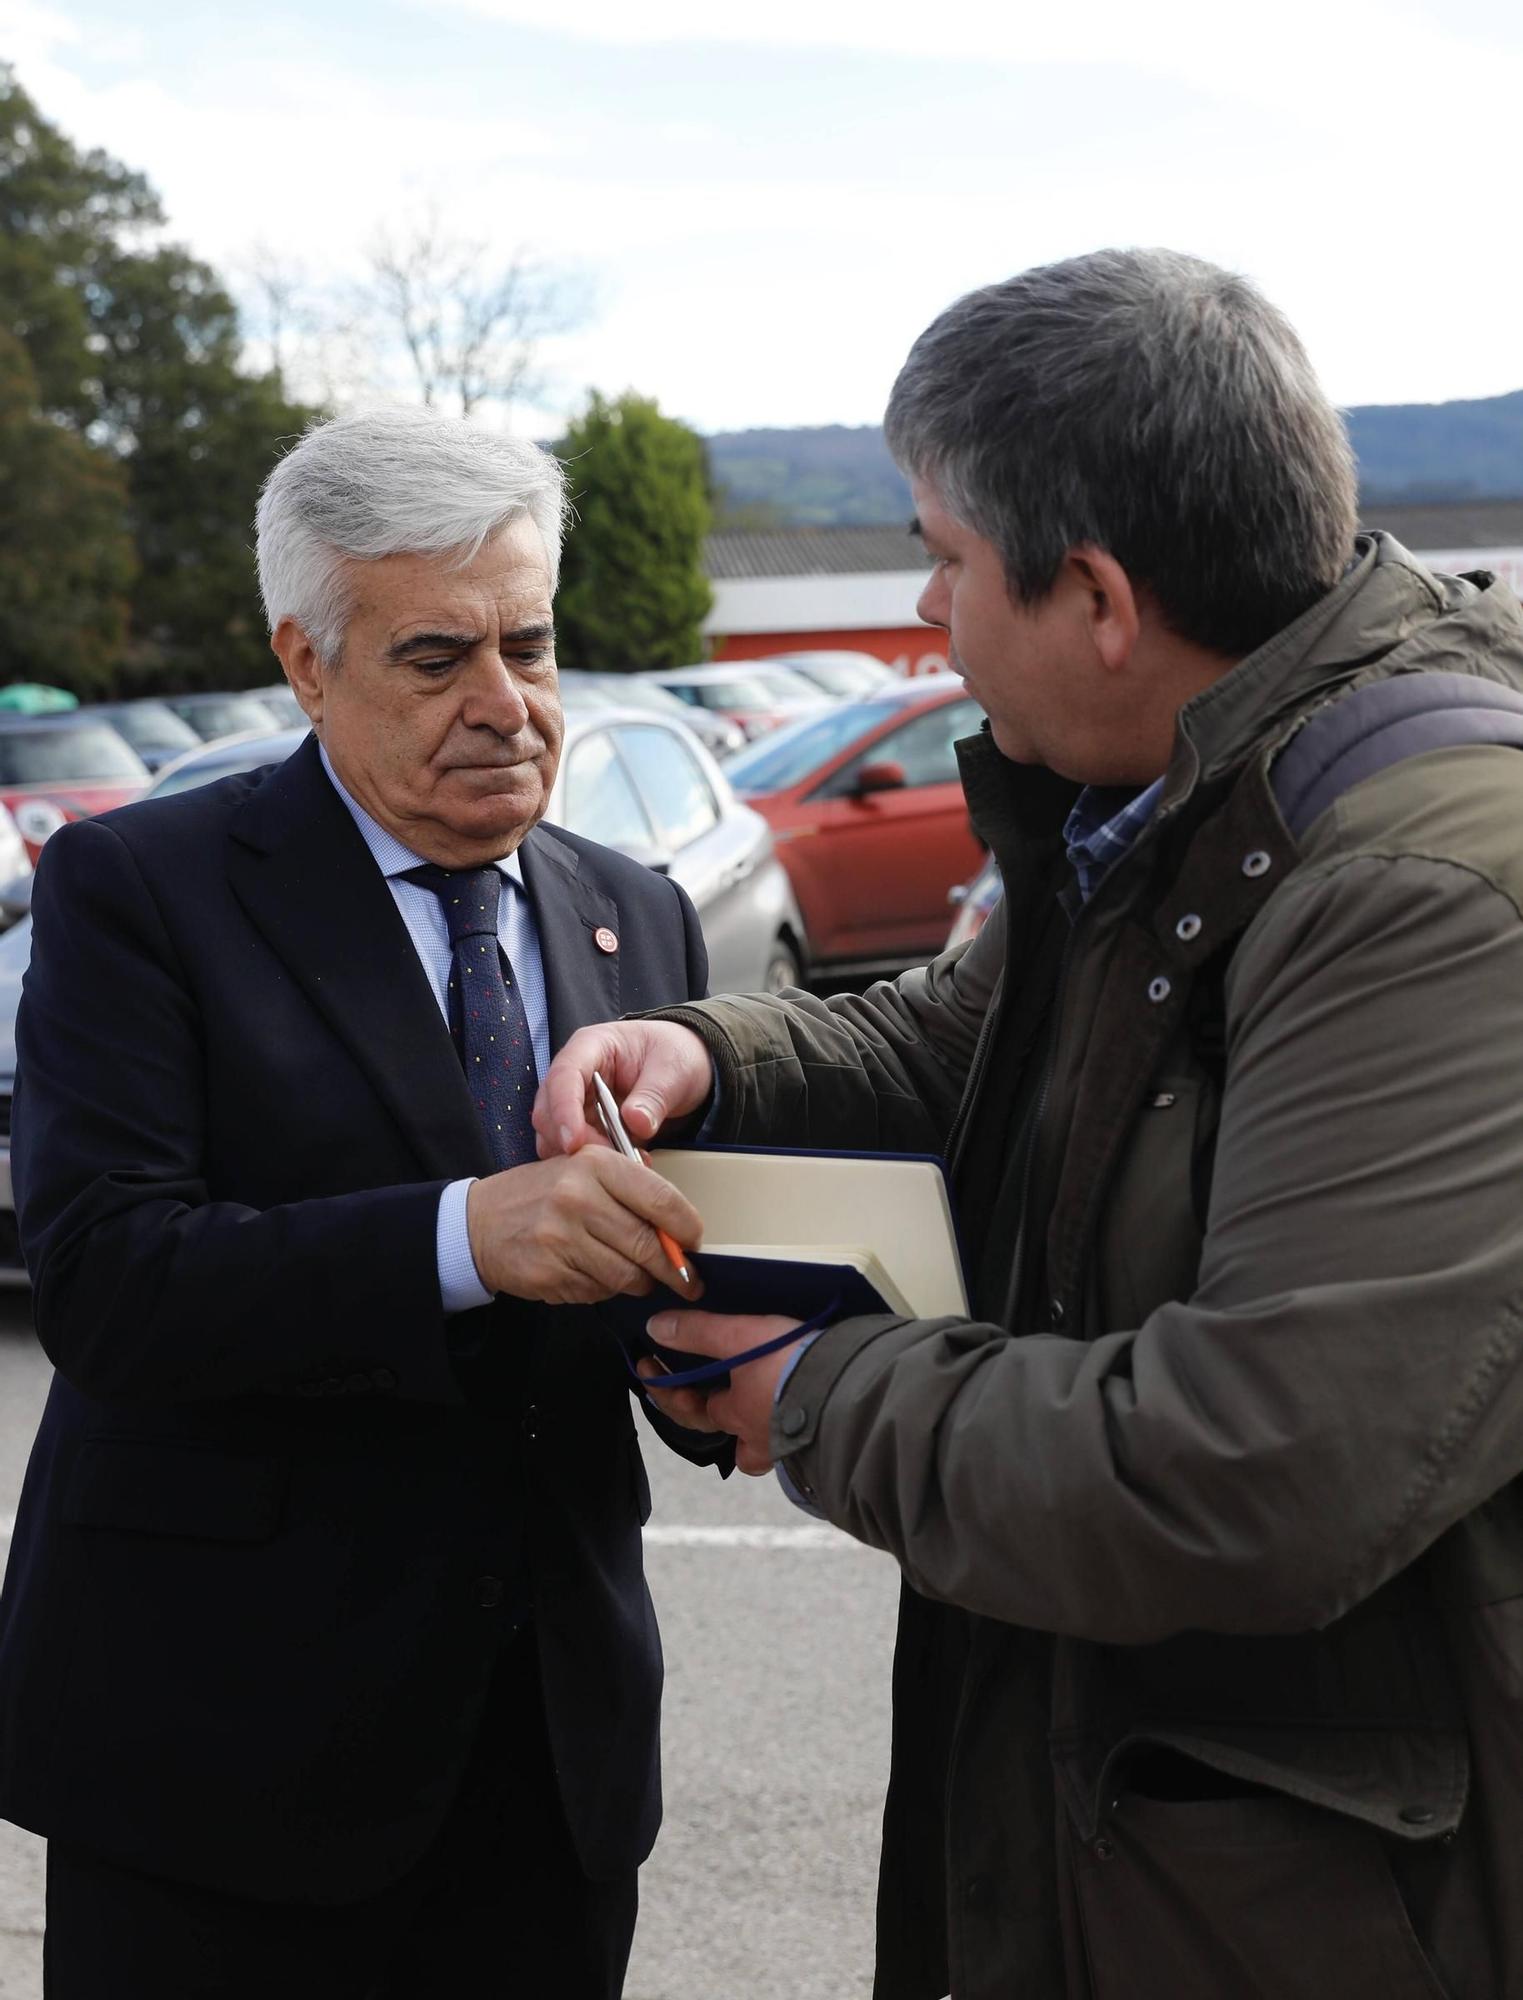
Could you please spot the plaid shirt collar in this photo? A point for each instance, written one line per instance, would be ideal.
(1102, 826)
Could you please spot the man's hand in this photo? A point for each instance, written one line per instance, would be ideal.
(571, 1232)
(744, 1409)
(657, 1070)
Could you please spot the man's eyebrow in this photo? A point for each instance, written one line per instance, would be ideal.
(461, 642)
(433, 642)
(915, 527)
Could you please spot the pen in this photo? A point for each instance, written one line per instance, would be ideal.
(613, 1125)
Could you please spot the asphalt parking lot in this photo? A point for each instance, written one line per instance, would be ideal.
(778, 1635)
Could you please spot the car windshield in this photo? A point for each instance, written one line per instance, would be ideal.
(223, 764)
(84, 755)
(284, 706)
(789, 755)
(631, 692)
(842, 677)
(223, 715)
(148, 725)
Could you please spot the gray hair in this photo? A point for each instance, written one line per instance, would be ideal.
(1152, 405)
(391, 482)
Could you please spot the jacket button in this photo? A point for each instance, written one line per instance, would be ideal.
(1159, 989)
(1057, 1312)
(1188, 928)
(1257, 863)
(384, 1379)
(1417, 1815)
(488, 1592)
(794, 1420)
(1103, 1849)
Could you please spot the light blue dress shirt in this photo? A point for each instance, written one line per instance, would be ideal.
(460, 1286)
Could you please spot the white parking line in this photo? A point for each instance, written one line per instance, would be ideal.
(818, 1537)
(815, 1537)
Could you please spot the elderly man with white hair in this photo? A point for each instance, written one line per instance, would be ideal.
(327, 1665)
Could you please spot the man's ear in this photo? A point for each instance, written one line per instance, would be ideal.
(304, 669)
(1108, 604)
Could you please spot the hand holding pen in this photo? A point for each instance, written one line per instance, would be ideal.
(613, 1125)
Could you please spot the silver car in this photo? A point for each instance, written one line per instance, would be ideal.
(627, 778)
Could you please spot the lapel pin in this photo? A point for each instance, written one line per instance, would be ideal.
(604, 939)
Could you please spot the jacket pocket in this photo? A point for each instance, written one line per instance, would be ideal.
(1254, 1897)
(195, 1492)
(1151, 1235)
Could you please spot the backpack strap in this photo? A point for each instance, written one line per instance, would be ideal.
(1361, 734)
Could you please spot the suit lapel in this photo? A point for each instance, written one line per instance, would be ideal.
(581, 978)
(300, 868)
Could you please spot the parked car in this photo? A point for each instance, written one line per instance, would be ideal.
(150, 726)
(285, 710)
(581, 689)
(15, 870)
(840, 675)
(212, 715)
(755, 696)
(15, 951)
(974, 900)
(867, 809)
(61, 767)
(647, 787)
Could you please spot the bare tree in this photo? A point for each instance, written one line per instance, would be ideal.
(277, 292)
(308, 334)
(469, 324)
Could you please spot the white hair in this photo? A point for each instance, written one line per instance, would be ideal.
(389, 482)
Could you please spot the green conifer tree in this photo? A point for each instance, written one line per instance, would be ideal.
(633, 591)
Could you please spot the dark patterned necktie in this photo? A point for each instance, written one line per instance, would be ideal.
(486, 1009)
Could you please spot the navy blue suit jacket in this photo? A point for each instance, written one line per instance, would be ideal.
(250, 1617)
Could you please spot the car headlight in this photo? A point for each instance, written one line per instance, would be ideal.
(37, 818)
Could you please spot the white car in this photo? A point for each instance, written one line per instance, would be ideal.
(756, 695)
(841, 675)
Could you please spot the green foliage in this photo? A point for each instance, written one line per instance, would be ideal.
(134, 347)
(66, 557)
(633, 593)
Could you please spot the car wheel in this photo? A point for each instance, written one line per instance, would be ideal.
(783, 968)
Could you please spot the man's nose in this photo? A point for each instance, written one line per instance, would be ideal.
(494, 700)
(929, 607)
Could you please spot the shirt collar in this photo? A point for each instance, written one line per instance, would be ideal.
(1105, 821)
(389, 854)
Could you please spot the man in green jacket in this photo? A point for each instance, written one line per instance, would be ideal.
(1209, 1678)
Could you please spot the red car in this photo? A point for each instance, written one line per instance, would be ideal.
(867, 811)
(58, 768)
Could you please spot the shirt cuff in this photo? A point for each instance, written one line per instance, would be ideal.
(460, 1286)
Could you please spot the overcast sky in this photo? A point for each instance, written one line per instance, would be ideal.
(766, 203)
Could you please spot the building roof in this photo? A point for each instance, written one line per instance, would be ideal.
(813, 552)
(732, 555)
(1451, 524)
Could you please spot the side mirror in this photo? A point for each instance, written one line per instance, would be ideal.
(884, 777)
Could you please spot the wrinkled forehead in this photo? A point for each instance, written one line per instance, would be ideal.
(504, 585)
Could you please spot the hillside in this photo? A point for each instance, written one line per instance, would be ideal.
(842, 475)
